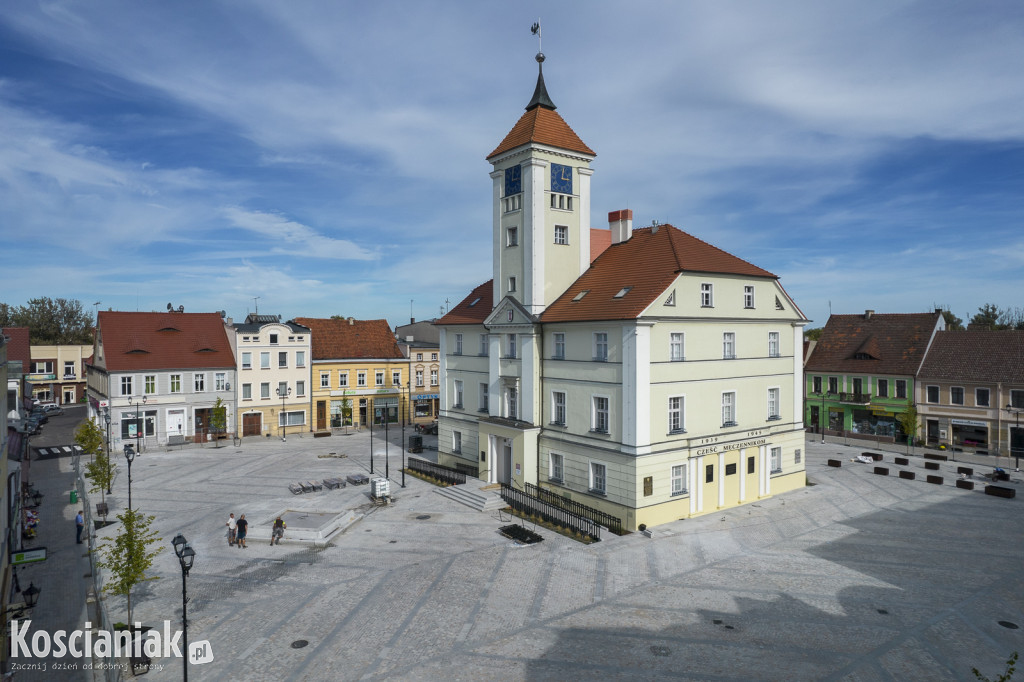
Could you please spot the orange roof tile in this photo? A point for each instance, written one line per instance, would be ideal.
(891, 343)
(473, 309)
(542, 126)
(599, 241)
(648, 262)
(345, 338)
(137, 341)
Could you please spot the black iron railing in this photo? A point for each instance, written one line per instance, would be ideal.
(442, 473)
(612, 523)
(524, 502)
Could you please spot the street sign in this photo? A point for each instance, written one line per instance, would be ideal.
(29, 556)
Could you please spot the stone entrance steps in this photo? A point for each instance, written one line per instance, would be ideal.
(473, 494)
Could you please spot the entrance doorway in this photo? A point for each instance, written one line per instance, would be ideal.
(176, 423)
(932, 431)
(505, 462)
(69, 396)
(321, 415)
(251, 423)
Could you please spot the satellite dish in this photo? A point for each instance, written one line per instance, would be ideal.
(170, 307)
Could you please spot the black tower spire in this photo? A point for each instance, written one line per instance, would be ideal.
(540, 93)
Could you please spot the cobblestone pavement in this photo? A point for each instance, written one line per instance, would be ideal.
(856, 577)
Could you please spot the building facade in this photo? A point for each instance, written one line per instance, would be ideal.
(58, 373)
(660, 381)
(359, 374)
(420, 342)
(159, 376)
(274, 360)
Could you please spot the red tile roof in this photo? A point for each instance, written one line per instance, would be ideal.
(891, 343)
(19, 348)
(599, 241)
(137, 341)
(542, 126)
(473, 309)
(648, 262)
(976, 356)
(347, 338)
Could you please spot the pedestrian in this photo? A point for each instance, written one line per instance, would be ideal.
(79, 525)
(231, 524)
(278, 532)
(241, 526)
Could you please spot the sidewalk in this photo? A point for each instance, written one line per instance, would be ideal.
(901, 449)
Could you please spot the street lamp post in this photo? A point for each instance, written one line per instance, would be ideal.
(186, 556)
(129, 454)
(372, 409)
(408, 407)
(138, 424)
(284, 417)
(387, 460)
(106, 418)
(1016, 411)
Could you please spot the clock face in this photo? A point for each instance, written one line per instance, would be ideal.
(561, 178)
(513, 180)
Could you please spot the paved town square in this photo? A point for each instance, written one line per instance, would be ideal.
(856, 577)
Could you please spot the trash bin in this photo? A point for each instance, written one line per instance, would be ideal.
(415, 443)
(74, 497)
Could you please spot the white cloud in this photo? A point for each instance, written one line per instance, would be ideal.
(295, 239)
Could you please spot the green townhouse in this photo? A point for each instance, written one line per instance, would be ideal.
(860, 375)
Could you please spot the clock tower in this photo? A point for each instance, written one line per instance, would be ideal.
(541, 205)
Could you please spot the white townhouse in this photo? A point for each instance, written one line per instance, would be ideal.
(644, 373)
(159, 375)
(274, 360)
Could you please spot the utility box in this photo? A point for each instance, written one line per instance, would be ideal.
(381, 487)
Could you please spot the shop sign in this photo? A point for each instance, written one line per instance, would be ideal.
(427, 396)
(29, 556)
(968, 422)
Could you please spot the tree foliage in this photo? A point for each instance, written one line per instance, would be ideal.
(218, 420)
(1011, 667)
(813, 334)
(129, 554)
(51, 321)
(908, 420)
(953, 323)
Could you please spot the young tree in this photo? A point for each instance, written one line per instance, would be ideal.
(988, 316)
(129, 554)
(908, 421)
(99, 469)
(218, 420)
(89, 437)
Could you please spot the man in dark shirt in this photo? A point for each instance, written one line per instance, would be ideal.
(241, 527)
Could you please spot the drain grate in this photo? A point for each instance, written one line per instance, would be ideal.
(883, 612)
(1008, 625)
(423, 517)
(299, 643)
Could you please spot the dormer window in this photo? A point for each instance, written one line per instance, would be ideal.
(475, 301)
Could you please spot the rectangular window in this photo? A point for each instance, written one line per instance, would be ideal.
(748, 297)
(796, 456)
(199, 382)
(675, 346)
(458, 344)
(265, 360)
(933, 394)
(730, 469)
(69, 370)
(457, 393)
(776, 454)
(558, 408)
(707, 299)
(325, 379)
(433, 377)
(728, 409)
(601, 346)
(858, 386)
(773, 404)
(675, 414)
(773, 344)
(561, 202)
(419, 377)
(598, 477)
(484, 349)
(678, 479)
(433, 356)
(342, 379)
(300, 388)
(282, 389)
(561, 234)
(512, 236)
(273, 338)
(901, 388)
(246, 391)
(556, 467)
(510, 349)
(484, 398)
(883, 388)
(419, 356)
(175, 383)
(150, 384)
(513, 403)
(709, 473)
(1016, 398)
(559, 343)
(751, 464)
(300, 358)
(42, 367)
(457, 441)
(511, 284)
(265, 390)
(600, 415)
(396, 377)
(956, 395)
(247, 360)
(282, 358)
(361, 379)
(981, 397)
(291, 418)
(728, 346)
(833, 385)
(220, 381)
(126, 385)
(378, 377)
(817, 385)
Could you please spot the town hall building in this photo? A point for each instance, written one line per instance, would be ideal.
(642, 372)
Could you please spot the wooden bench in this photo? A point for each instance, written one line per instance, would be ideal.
(882, 471)
(1000, 491)
(902, 461)
(932, 466)
(835, 463)
(909, 475)
(941, 458)
(937, 480)
(966, 485)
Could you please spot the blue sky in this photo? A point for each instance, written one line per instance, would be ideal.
(328, 157)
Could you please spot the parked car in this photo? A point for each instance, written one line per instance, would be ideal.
(430, 429)
(53, 409)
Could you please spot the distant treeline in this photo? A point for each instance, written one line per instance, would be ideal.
(51, 321)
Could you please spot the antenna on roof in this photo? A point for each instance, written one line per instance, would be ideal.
(256, 302)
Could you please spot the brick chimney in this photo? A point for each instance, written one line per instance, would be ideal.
(621, 224)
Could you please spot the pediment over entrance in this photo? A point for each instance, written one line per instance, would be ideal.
(509, 313)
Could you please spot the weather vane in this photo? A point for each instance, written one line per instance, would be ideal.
(535, 30)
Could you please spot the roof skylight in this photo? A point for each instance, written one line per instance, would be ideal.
(579, 296)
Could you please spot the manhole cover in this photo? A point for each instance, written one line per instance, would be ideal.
(716, 621)
(660, 650)
(729, 627)
(392, 541)
(423, 517)
(299, 643)
(883, 612)
(1008, 625)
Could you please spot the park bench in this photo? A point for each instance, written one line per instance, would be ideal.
(1000, 491)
